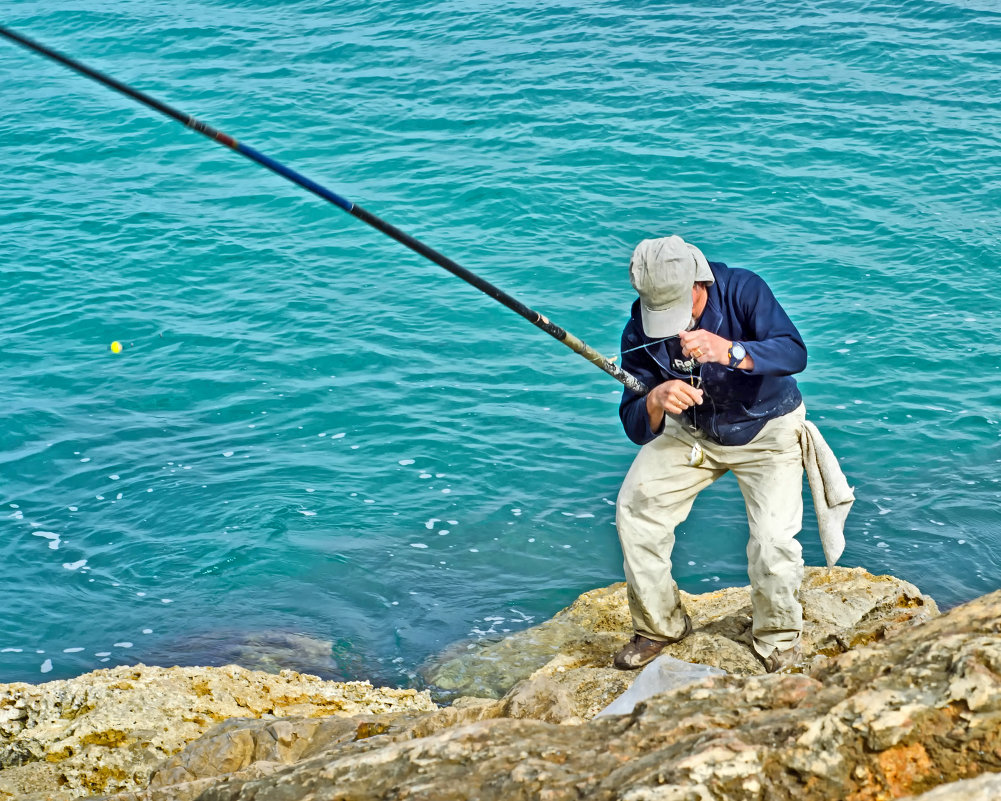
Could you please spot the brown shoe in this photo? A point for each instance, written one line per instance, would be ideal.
(781, 659)
(640, 650)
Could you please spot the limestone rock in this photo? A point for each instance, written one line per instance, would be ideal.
(900, 716)
(563, 664)
(594, 623)
(109, 729)
(847, 727)
(241, 750)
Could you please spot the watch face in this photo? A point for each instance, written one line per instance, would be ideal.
(738, 352)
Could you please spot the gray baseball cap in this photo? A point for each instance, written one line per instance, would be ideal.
(663, 272)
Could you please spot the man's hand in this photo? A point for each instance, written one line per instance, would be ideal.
(705, 346)
(672, 396)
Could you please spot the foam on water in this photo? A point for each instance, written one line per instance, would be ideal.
(51, 536)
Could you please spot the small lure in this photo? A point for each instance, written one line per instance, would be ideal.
(697, 456)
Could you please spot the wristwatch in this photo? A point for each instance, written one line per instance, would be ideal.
(736, 353)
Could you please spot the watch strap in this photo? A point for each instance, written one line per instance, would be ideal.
(735, 359)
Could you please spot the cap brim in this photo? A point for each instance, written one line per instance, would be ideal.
(659, 323)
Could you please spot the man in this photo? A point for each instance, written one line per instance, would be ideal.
(719, 354)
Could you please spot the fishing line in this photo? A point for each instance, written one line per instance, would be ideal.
(534, 317)
(640, 347)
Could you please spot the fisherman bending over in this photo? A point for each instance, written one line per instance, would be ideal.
(720, 354)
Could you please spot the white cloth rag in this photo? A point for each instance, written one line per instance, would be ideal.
(832, 497)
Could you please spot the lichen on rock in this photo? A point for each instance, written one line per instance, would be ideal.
(108, 730)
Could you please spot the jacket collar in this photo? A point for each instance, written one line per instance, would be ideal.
(712, 315)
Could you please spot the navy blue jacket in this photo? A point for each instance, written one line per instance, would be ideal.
(736, 403)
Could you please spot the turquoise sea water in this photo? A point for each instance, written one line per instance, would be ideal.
(315, 436)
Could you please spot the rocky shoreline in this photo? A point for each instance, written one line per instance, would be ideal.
(892, 700)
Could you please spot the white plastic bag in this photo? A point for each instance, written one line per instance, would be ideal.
(663, 674)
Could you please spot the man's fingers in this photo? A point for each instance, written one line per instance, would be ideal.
(680, 397)
(690, 393)
(676, 396)
(703, 346)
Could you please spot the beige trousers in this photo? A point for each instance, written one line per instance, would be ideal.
(657, 495)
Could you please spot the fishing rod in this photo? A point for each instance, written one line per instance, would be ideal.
(534, 317)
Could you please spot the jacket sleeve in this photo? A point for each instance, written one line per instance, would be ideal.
(632, 407)
(771, 338)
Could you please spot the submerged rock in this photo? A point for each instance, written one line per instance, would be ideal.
(268, 650)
